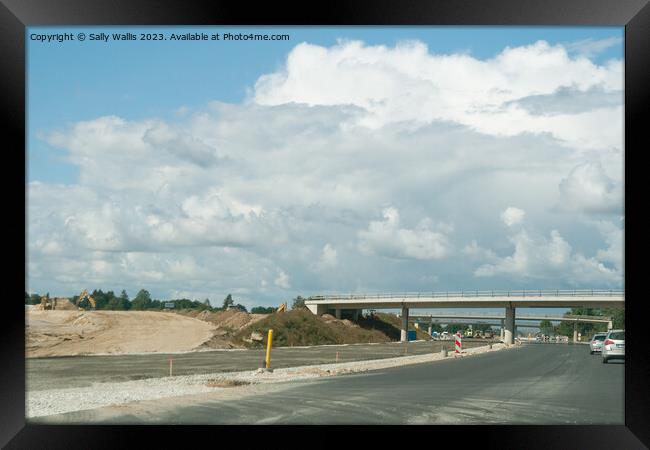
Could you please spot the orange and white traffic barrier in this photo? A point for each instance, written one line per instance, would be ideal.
(459, 343)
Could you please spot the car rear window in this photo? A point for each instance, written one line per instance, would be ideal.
(599, 337)
(618, 336)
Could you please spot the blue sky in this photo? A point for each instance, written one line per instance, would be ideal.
(345, 159)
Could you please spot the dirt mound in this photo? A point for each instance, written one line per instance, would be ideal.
(232, 319)
(226, 325)
(60, 303)
(66, 333)
(301, 327)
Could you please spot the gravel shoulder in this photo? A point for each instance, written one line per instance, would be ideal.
(56, 401)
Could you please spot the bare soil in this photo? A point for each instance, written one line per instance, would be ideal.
(68, 333)
(226, 325)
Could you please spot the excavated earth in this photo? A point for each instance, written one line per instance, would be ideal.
(69, 333)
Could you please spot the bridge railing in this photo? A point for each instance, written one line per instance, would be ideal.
(477, 293)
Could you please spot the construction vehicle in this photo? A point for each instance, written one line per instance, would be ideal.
(84, 295)
(47, 303)
(56, 303)
(282, 308)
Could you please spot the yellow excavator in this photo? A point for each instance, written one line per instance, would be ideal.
(282, 308)
(49, 304)
(85, 295)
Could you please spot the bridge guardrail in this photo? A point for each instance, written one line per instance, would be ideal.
(476, 293)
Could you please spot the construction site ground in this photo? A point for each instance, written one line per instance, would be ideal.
(79, 360)
(56, 396)
(81, 371)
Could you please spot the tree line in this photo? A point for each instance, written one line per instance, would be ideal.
(143, 301)
(585, 329)
(110, 301)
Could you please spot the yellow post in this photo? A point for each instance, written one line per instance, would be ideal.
(269, 343)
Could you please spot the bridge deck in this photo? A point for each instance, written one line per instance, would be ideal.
(474, 299)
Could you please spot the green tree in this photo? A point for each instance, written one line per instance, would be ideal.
(617, 315)
(34, 299)
(142, 300)
(240, 307)
(298, 303)
(228, 301)
(585, 329)
(546, 327)
(101, 299)
(263, 310)
(116, 304)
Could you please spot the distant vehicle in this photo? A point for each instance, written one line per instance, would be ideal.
(596, 342)
(435, 335)
(613, 346)
(488, 335)
(445, 336)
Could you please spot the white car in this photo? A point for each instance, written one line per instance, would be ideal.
(614, 346)
(596, 342)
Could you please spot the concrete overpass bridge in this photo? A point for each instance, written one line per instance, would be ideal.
(477, 318)
(509, 300)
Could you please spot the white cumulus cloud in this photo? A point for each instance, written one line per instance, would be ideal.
(408, 83)
(387, 238)
(588, 188)
(512, 216)
(282, 280)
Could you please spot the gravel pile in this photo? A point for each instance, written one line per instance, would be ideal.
(57, 401)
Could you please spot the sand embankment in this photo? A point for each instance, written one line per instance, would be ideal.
(68, 333)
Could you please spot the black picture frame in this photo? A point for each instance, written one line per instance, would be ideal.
(634, 15)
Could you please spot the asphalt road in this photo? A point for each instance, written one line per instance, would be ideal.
(532, 384)
(81, 371)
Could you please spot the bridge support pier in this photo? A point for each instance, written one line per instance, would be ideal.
(609, 325)
(575, 332)
(430, 327)
(501, 331)
(405, 324)
(337, 313)
(510, 325)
